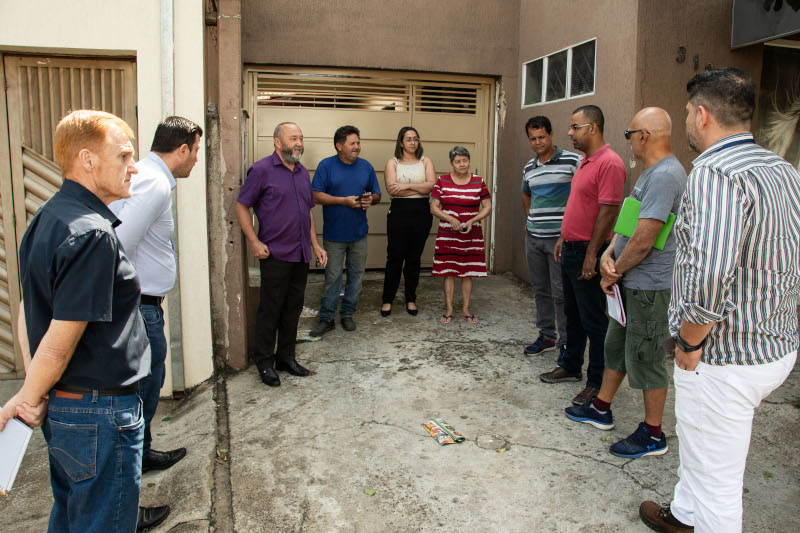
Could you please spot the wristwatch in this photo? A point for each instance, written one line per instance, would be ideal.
(685, 346)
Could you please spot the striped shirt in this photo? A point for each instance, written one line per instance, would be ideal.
(738, 258)
(548, 184)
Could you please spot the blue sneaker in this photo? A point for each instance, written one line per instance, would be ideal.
(588, 414)
(540, 345)
(640, 443)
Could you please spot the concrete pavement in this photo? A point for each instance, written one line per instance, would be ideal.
(298, 457)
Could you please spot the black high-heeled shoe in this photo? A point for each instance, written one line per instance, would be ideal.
(386, 313)
(412, 312)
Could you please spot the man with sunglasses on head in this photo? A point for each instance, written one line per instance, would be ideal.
(644, 276)
(594, 200)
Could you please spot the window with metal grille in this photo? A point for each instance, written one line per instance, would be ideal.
(565, 74)
(582, 71)
(534, 78)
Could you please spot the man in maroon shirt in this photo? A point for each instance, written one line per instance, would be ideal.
(592, 208)
(278, 188)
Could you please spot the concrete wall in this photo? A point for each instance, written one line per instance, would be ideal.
(223, 51)
(545, 28)
(703, 28)
(115, 27)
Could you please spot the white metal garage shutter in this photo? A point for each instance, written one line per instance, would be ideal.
(447, 110)
(40, 92)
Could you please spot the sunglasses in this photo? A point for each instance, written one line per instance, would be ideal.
(628, 133)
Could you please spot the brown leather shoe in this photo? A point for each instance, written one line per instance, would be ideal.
(559, 375)
(659, 518)
(585, 395)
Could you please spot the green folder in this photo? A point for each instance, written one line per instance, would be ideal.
(629, 217)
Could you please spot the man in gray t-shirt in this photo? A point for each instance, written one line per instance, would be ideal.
(644, 277)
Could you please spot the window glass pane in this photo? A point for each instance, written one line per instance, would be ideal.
(582, 69)
(557, 76)
(533, 82)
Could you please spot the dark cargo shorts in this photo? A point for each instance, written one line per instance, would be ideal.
(636, 349)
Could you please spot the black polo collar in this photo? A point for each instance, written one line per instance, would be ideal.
(77, 191)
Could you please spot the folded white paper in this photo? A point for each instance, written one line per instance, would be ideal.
(615, 308)
(13, 442)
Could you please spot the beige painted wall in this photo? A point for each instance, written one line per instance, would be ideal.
(118, 28)
(546, 28)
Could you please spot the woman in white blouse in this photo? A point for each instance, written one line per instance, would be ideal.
(409, 178)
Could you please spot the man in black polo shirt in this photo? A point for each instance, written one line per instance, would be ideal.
(80, 321)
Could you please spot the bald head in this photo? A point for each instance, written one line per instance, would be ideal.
(650, 129)
(653, 119)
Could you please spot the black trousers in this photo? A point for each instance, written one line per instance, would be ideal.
(283, 285)
(408, 225)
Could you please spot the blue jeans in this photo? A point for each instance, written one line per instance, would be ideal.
(356, 253)
(150, 385)
(95, 451)
(585, 309)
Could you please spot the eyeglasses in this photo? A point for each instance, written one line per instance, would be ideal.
(412, 140)
(579, 126)
(628, 133)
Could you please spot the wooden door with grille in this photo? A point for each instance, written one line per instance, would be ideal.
(40, 91)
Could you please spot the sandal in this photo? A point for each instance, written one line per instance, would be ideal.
(470, 319)
(447, 319)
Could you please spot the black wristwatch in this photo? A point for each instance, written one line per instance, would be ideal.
(685, 346)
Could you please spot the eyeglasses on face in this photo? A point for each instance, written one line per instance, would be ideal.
(412, 140)
(628, 133)
(579, 126)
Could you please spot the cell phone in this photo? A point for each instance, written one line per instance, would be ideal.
(366, 195)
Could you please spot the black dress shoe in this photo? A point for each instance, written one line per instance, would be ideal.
(292, 367)
(348, 323)
(155, 460)
(269, 377)
(151, 516)
(386, 312)
(321, 328)
(412, 312)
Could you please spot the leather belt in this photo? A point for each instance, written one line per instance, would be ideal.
(151, 300)
(118, 391)
(576, 245)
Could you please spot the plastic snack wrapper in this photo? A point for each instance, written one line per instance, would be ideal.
(442, 432)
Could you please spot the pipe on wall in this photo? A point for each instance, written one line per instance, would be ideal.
(168, 109)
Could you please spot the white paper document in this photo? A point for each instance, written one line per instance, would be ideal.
(13, 442)
(615, 308)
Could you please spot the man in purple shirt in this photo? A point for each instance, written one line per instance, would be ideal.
(278, 188)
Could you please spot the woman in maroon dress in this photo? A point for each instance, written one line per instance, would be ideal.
(459, 200)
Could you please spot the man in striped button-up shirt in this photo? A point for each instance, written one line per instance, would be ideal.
(733, 312)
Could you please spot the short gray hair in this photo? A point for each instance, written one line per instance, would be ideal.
(459, 150)
(279, 127)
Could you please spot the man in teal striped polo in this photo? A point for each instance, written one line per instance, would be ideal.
(546, 183)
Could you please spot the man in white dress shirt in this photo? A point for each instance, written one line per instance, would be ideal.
(146, 236)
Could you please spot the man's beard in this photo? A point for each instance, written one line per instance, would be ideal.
(289, 157)
(693, 141)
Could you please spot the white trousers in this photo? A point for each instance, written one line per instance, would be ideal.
(714, 410)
